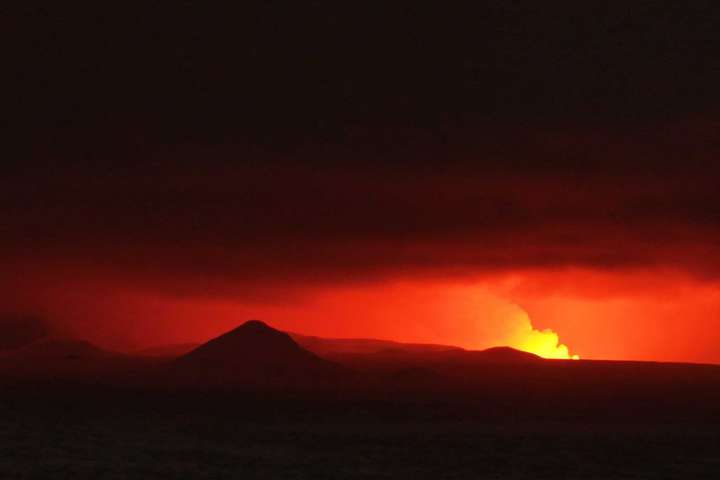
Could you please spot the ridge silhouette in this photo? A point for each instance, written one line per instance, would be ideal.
(504, 355)
(19, 330)
(50, 348)
(255, 353)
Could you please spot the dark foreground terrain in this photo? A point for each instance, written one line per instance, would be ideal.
(253, 403)
(124, 434)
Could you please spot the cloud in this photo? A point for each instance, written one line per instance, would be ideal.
(207, 225)
(219, 231)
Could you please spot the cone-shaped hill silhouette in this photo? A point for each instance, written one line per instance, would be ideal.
(254, 353)
(504, 355)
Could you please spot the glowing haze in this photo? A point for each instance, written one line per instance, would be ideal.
(495, 185)
(598, 264)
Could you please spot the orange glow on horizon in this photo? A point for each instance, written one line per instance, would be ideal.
(545, 343)
(629, 315)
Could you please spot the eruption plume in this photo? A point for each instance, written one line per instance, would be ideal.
(545, 343)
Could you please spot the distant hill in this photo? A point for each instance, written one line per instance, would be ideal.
(502, 355)
(168, 351)
(331, 346)
(321, 346)
(19, 330)
(373, 350)
(62, 358)
(58, 349)
(451, 361)
(255, 354)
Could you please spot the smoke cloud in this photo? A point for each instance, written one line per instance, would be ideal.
(545, 342)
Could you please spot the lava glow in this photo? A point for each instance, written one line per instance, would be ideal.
(544, 343)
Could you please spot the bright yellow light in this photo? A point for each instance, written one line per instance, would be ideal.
(544, 343)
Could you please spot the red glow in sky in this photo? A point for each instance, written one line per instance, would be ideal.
(643, 315)
(158, 191)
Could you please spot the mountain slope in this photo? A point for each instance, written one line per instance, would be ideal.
(54, 349)
(331, 346)
(252, 354)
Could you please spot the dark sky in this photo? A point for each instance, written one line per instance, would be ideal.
(280, 76)
(342, 142)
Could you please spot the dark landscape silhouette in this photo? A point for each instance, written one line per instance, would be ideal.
(254, 354)
(257, 399)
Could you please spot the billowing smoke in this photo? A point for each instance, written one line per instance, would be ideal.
(501, 322)
(545, 343)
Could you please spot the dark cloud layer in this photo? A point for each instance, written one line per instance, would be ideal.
(277, 222)
(322, 143)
